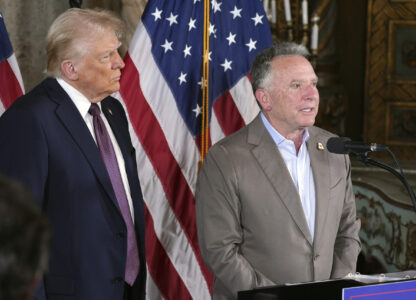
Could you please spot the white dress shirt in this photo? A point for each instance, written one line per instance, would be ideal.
(83, 105)
(300, 170)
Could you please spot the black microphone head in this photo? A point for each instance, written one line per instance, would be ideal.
(337, 145)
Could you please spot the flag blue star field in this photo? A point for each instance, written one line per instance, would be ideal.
(11, 84)
(236, 30)
(161, 89)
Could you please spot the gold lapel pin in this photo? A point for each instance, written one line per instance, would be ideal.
(110, 111)
(320, 147)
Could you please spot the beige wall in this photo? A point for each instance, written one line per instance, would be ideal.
(131, 10)
(28, 21)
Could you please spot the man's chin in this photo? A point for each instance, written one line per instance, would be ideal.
(308, 123)
(115, 88)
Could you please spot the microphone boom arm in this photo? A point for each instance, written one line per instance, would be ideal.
(366, 160)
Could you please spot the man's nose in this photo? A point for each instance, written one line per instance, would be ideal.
(118, 61)
(311, 91)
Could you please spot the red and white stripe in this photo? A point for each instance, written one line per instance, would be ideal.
(11, 83)
(168, 156)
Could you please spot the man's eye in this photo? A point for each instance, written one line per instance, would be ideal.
(296, 85)
(105, 57)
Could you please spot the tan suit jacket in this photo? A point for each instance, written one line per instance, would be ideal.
(251, 225)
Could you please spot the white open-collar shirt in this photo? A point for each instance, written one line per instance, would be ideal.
(299, 166)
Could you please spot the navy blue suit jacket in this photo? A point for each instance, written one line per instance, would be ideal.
(45, 143)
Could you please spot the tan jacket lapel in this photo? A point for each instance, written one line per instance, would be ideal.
(270, 160)
(320, 169)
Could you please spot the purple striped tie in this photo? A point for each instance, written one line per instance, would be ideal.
(107, 153)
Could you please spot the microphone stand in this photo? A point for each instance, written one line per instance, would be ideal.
(363, 157)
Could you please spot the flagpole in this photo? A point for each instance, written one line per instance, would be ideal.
(205, 86)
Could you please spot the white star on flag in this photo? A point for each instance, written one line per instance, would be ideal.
(227, 65)
(167, 46)
(216, 6)
(197, 110)
(209, 55)
(257, 19)
(231, 38)
(200, 82)
(172, 19)
(191, 24)
(251, 45)
(187, 51)
(157, 14)
(236, 12)
(212, 29)
(182, 78)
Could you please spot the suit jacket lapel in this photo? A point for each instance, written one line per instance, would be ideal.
(114, 119)
(117, 123)
(72, 120)
(320, 169)
(271, 161)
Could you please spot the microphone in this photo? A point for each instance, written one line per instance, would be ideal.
(344, 145)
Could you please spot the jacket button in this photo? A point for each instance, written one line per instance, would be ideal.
(315, 258)
(118, 280)
(120, 235)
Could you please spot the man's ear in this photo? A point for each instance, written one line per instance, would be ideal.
(263, 98)
(69, 69)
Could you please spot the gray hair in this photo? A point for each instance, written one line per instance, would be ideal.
(261, 72)
(71, 34)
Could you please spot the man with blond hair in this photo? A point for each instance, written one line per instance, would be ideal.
(68, 141)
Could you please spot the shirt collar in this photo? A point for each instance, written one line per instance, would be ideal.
(81, 102)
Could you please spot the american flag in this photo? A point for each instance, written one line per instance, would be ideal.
(161, 88)
(11, 83)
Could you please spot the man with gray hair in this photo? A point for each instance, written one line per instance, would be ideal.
(273, 205)
(68, 141)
